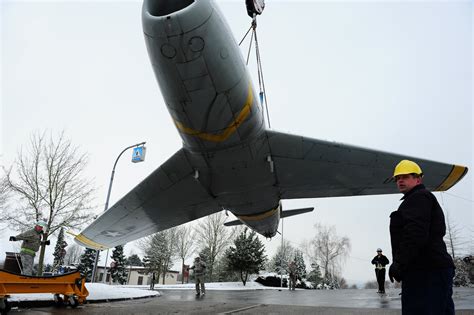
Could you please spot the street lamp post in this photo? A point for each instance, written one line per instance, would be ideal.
(281, 256)
(94, 271)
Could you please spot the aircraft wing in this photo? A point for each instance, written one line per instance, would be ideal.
(168, 197)
(311, 168)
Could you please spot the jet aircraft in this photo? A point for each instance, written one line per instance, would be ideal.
(229, 160)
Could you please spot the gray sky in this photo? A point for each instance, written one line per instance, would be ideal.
(394, 76)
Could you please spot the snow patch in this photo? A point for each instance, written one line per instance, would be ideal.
(97, 291)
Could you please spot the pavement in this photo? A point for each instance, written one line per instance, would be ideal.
(258, 302)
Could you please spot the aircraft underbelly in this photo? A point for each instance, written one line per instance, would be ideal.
(202, 75)
(240, 178)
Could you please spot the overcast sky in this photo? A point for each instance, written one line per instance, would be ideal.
(392, 76)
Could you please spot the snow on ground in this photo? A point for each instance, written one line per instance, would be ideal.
(100, 291)
(97, 291)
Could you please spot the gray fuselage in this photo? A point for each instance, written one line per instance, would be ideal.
(212, 101)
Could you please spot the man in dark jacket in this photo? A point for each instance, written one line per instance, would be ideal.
(420, 259)
(293, 275)
(199, 268)
(380, 261)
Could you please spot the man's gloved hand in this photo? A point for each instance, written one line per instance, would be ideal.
(12, 239)
(46, 242)
(395, 272)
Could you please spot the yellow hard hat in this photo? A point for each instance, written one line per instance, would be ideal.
(407, 167)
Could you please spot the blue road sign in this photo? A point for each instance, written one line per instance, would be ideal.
(138, 154)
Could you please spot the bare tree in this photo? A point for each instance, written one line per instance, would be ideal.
(214, 238)
(160, 251)
(73, 254)
(281, 260)
(48, 183)
(3, 192)
(170, 250)
(328, 250)
(184, 244)
(471, 239)
(454, 242)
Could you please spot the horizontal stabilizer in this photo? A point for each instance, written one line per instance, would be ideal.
(284, 214)
(289, 213)
(233, 223)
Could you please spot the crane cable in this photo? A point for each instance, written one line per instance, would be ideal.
(261, 82)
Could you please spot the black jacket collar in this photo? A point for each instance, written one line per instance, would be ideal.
(411, 191)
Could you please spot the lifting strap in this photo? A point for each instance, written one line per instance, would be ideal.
(261, 82)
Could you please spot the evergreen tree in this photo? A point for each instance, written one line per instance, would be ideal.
(222, 272)
(59, 250)
(118, 271)
(315, 276)
(133, 260)
(247, 256)
(153, 259)
(87, 263)
(461, 277)
(300, 265)
(282, 258)
(153, 265)
(205, 254)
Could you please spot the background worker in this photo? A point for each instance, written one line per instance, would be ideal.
(293, 275)
(380, 261)
(199, 268)
(32, 240)
(420, 258)
(153, 279)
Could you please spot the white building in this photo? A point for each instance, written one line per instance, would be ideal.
(138, 275)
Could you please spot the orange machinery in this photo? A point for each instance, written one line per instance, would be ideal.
(68, 289)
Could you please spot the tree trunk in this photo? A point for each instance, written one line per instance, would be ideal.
(41, 257)
(165, 267)
(244, 279)
(182, 272)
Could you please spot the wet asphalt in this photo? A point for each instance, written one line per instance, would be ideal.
(257, 302)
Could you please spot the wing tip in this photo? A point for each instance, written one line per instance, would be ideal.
(86, 242)
(455, 175)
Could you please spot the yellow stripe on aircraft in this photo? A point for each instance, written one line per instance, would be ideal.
(229, 130)
(456, 174)
(258, 217)
(81, 238)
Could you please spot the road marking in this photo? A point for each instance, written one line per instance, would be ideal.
(243, 309)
